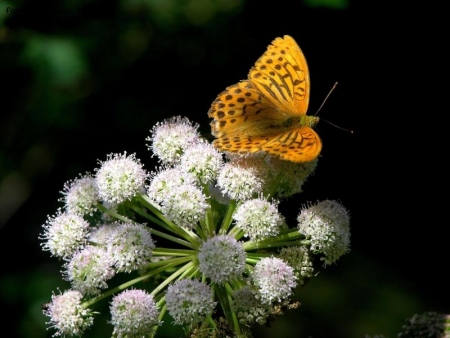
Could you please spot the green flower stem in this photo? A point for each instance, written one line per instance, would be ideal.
(228, 217)
(211, 322)
(112, 213)
(173, 252)
(224, 298)
(188, 266)
(289, 237)
(163, 308)
(199, 229)
(209, 223)
(236, 233)
(167, 224)
(134, 281)
(258, 256)
(173, 239)
(274, 186)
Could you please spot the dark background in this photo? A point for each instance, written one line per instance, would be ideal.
(85, 79)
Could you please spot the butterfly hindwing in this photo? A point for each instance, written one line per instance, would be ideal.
(296, 145)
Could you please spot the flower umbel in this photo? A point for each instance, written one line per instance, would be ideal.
(327, 224)
(133, 314)
(224, 260)
(67, 314)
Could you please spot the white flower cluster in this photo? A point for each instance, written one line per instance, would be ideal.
(221, 238)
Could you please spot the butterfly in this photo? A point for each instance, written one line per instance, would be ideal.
(267, 112)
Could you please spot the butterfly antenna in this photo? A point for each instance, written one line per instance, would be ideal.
(349, 130)
(331, 90)
(326, 97)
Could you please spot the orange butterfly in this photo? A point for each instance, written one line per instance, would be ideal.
(267, 112)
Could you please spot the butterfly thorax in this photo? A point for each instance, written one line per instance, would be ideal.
(302, 120)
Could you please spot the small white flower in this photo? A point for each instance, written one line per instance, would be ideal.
(81, 195)
(120, 178)
(133, 314)
(258, 218)
(67, 315)
(185, 205)
(130, 246)
(239, 182)
(170, 138)
(327, 225)
(203, 161)
(222, 259)
(274, 279)
(64, 234)
(89, 269)
(163, 182)
(189, 301)
(101, 233)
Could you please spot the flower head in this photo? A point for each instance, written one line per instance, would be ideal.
(203, 161)
(67, 315)
(120, 178)
(189, 301)
(274, 279)
(185, 205)
(130, 246)
(166, 180)
(239, 182)
(64, 234)
(258, 219)
(170, 138)
(300, 259)
(133, 314)
(81, 195)
(89, 269)
(249, 309)
(222, 259)
(327, 225)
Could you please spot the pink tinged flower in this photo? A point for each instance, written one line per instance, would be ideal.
(120, 178)
(170, 138)
(133, 314)
(327, 225)
(81, 195)
(89, 269)
(130, 246)
(222, 259)
(64, 234)
(189, 301)
(274, 279)
(67, 314)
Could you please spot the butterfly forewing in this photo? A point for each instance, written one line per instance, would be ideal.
(282, 75)
(241, 109)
